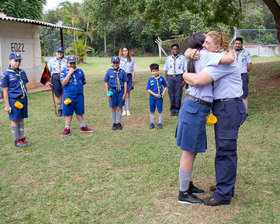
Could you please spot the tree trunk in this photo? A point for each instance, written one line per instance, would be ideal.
(105, 46)
(274, 7)
(85, 52)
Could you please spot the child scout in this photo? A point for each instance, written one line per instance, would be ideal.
(115, 85)
(73, 81)
(13, 81)
(155, 88)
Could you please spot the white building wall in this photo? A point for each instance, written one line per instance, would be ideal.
(22, 38)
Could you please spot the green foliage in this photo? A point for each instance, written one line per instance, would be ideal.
(81, 50)
(25, 9)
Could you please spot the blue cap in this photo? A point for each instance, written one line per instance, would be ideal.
(15, 56)
(59, 49)
(71, 59)
(115, 59)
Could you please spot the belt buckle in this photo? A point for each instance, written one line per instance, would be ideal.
(173, 76)
(197, 100)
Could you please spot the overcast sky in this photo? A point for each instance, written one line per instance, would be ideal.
(52, 4)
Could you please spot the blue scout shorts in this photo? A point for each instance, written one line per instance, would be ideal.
(77, 104)
(191, 132)
(18, 114)
(155, 102)
(245, 82)
(57, 86)
(116, 99)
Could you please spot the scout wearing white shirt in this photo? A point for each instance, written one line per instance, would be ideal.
(56, 66)
(244, 60)
(175, 66)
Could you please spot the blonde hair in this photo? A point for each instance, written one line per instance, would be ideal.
(219, 39)
(121, 53)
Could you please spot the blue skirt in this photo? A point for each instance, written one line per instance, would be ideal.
(129, 82)
(191, 132)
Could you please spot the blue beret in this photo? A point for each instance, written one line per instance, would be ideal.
(71, 59)
(15, 56)
(59, 49)
(115, 59)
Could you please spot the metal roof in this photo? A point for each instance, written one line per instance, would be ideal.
(36, 22)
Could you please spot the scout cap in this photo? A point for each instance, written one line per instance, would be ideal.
(115, 59)
(71, 59)
(59, 49)
(15, 56)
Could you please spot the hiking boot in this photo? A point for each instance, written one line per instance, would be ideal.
(151, 126)
(119, 126)
(188, 198)
(159, 125)
(59, 113)
(114, 127)
(66, 132)
(25, 142)
(210, 201)
(19, 143)
(85, 129)
(194, 190)
(212, 188)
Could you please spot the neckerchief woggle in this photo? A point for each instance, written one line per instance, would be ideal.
(23, 89)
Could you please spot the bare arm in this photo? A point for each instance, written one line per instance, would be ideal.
(165, 76)
(249, 66)
(133, 74)
(228, 57)
(164, 90)
(68, 76)
(192, 53)
(124, 92)
(6, 100)
(152, 93)
(197, 79)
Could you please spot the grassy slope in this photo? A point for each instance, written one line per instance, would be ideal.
(131, 176)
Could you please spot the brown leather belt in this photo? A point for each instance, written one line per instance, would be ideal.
(197, 100)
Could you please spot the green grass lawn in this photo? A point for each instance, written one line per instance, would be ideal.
(131, 176)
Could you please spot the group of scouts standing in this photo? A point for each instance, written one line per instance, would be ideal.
(214, 76)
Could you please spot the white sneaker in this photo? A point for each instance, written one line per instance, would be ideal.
(123, 113)
(128, 113)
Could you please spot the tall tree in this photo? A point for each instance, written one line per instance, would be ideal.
(25, 9)
(274, 7)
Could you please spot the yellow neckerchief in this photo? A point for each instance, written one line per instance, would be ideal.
(174, 62)
(75, 80)
(158, 87)
(23, 89)
(118, 79)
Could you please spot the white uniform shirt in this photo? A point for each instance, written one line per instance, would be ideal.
(127, 66)
(175, 65)
(243, 58)
(53, 65)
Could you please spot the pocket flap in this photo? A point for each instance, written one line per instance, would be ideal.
(191, 109)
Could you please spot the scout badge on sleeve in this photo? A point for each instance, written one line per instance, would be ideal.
(211, 119)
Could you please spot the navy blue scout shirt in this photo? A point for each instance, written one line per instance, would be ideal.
(111, 77)
(153, 86)
(76, 82)
(12, 81)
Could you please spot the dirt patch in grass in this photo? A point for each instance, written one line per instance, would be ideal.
(269, 82)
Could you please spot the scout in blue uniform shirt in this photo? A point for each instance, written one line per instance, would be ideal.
(115, 86)
(175, 66)
(73, 81)
(244, 60)
(56, 66)
(14, 81)
(157, 87)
